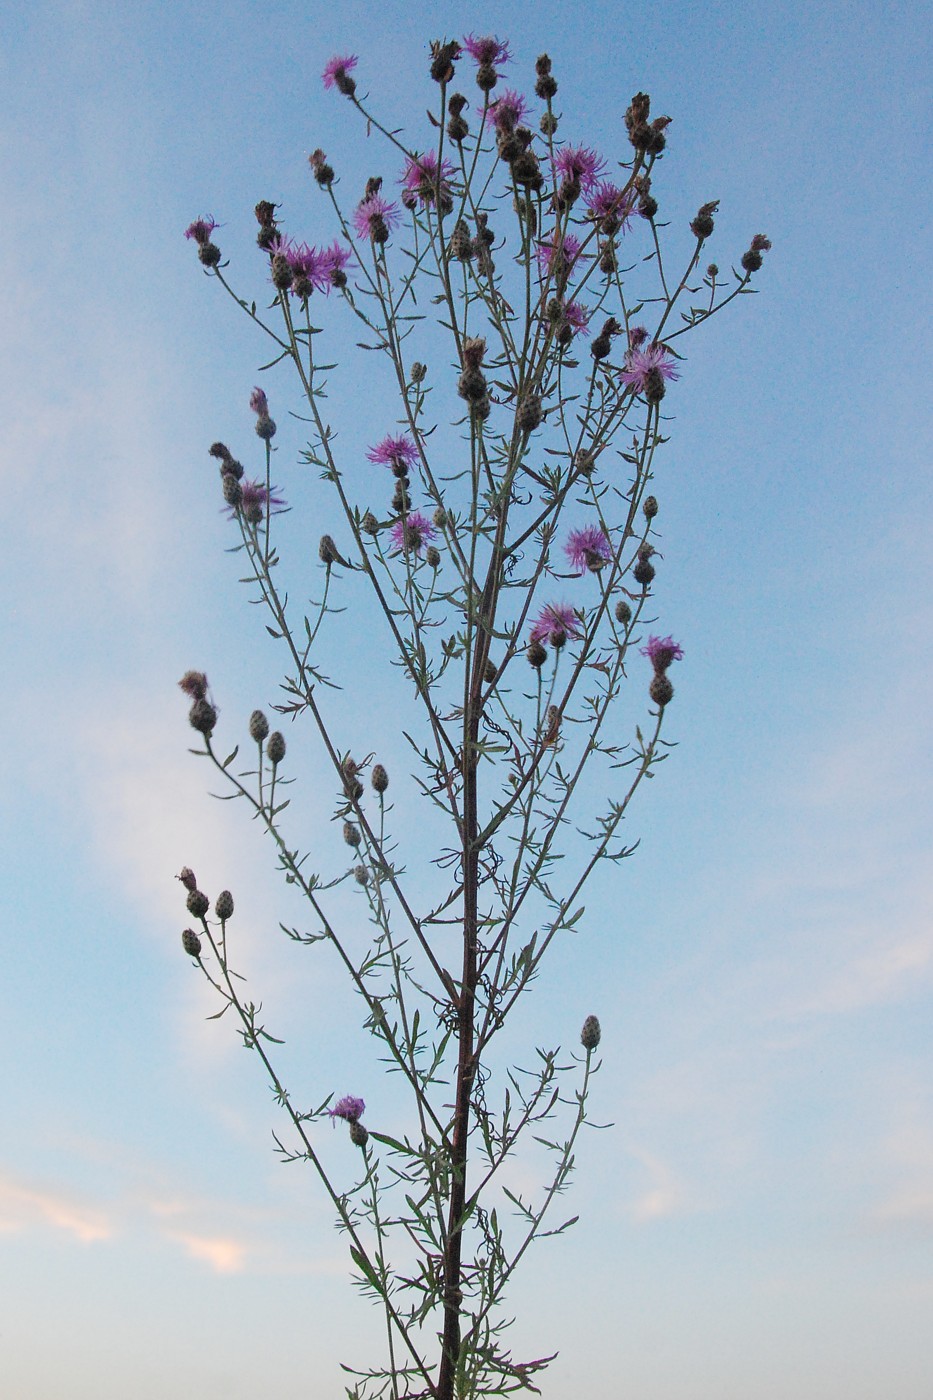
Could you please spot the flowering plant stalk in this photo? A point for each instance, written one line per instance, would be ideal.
(509, 554)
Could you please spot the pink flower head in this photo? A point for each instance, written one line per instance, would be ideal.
(335, 260)
(309, 268)
(568, 252)
(579, 165)
(588, 549)
(201, 230)
(607, 203)
(556, 622)
(412, 533)
(395, 452)
(422, 180)
(647, 371)
(661, 651)
(507, 111)
(348, 1107)
(255, 500)
(259, 403)
(335, 74)
(487, 49)
(577, 317)
(637, 337)
(373, 216)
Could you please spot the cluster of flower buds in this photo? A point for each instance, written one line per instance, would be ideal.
(647, 137)
(259, 733)
(546, 84)
(661, 651)
(203, 714)
(198, 905)
(249, 499)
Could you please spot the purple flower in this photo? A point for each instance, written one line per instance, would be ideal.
(395, 452)
(579, 165)
(568, 251)
(487, 49)
(375, 218)
(201, 230)
(422, 180)
(335, 74)
(637, 337)
(507, 111)
(349, 1108)
(255, 499)
(259, 403)
(607, 204)
(412, 533)
(556, 622)
(577, 317)
(588, 549)
(646, 371)
(310, 269)
(661, 651)
(336, 259)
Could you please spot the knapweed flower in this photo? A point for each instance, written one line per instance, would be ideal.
(552, 255)
(423, 181)
(258, 402)
(337, 74)
(507, 111)
(310, 270)
(661, 651)
(412, 533)
(348, 1108)
(375, 218)
(255, 499)
(577, 318)
(647, 371)
(487, 49)
(556, 622)
(201, 230)
(588, 549)
(193, 683)
(611, 207)
(579, 165)
(399, 453)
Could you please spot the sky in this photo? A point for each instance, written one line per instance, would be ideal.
(758, 1221)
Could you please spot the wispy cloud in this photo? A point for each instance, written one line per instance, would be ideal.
(24, 1205)
(663, 1195)
(224, 1254)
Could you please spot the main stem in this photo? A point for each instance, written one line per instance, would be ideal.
(466, 1008)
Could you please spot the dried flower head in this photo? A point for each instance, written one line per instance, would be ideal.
(194, 683)
(187, 878)
(379, 778)
(588, 549)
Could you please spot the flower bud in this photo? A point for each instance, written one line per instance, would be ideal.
(537, 655)
(187, 878)
(358, 1135)
(660, 689)
(198, 903)
(191, 943)
(209, 254)
(352, 834)
(275, 749)
(432, 557)
(361, 875)
(650, 507)
(232, 490)
(203, 717)
(529, 413)
(590, 1035)
(702, 225)
(223, 907)
(418, 372)
(258, 726)
(623, 612)
(380, 778)
(369, 523)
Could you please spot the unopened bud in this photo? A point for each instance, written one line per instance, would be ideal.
(380, 778)
(258, 726)
(537, 655)
(191, 943)
(361, 875)
(650, 507)
(623, 612)
(352, 834)
(418, 372)
(358, 1135)
(187, 878)
(198, 903)
(275, 749)
(223, 907)
(432, 557)
(590, 1035)
(660, 689)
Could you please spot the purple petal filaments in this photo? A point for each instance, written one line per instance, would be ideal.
(579, 165)
(487, 49)
(399, 453)
(611, 207)
(588, 549)
(375, 218)
(577, 318)
(254, 499)
(661, 651)
(556, 622)
(552, 255)
(201, 230)
(337, 74)
(648, 370)
(507, 111)
(410, 534)
(258, 401)
(422, 180)
(349, 1108)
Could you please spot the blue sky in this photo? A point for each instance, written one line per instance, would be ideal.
(759, 1221)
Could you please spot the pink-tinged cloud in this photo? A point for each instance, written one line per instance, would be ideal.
(223, 1254)
(664, 1195)
(23, 1206)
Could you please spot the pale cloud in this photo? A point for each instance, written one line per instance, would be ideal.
(223, 1254)
(662, 1196)
(24, 1205)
